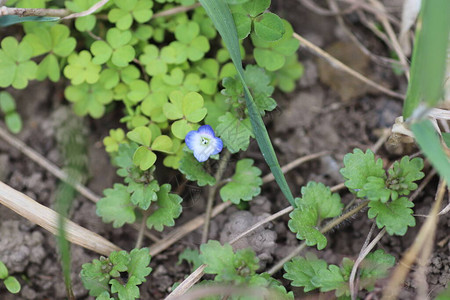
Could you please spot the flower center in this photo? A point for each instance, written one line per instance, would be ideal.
(204, 141)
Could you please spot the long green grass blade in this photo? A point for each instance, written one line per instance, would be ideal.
(429, 56)
(220, 14)
(10, 20)
(430, 144)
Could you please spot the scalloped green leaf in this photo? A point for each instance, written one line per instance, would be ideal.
(245, 183)
(169, 208)
(116, 206)
(303, 222)
(194, 170)
(396, 215)
(234, 133)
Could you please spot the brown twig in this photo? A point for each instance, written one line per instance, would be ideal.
(338, 64)
(48, 219)
(425, 236)
(365, 250)
(175, 10)
(90, 11)
(37, 12)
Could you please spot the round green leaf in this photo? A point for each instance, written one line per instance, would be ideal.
(191, 102)
(7, 103)
(185, 33)
(162, 143)
(101, 51)
(118, 38)
(13, 122)
(256, 7)
(138, 90)
(123, 55)
(144, 158)
(49, 67)
(268, 59)
(180, 128)
(141, 135)
(3, 270)
(269, 27)
(243, 25)
(12, 285)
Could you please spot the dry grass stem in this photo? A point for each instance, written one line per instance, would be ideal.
(87, 12)
(339, 65)
(425, 236)
(365, 250)
(48, 219)
(175, 10)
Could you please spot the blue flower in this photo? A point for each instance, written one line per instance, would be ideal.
(203, 142)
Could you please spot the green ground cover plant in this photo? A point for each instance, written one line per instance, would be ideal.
(193, 88)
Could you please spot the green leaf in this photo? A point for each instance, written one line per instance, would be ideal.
(102, 52)
(10, 20)
(303, 222)
(429, 143)
(301, 271)
(286, 77)
(162, 143)
(192, 256)
(194, 170)
(115, 138)
(144, 158)
(95, 278)
(169, 208)
(81, 68)
(89, 99)
(141, 135)
(138, 266)
(375, 266)
(221, 16)
(243, 25)
(331, 279)
(49, 67)
(219, 260)
(7, 103)
(358, 166)
(128, 291)
(16, 68)
(234, 133)
(142, 194)
(12, 285)
(429, 57)
(446, 138)
(119, 261)
(181, 127)
(116, 206)
(245, 183)
(269, 27)
(3, 270)
(319, 196)
(396, 216)
(13, 122)
(256, 7)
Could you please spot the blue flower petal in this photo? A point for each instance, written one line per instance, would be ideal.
(219, 146)
(192, 139)
(206, 129)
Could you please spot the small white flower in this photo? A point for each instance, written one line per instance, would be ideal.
(203, 142)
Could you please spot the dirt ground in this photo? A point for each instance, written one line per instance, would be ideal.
(327, 111)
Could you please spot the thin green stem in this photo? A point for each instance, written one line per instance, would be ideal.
(212, 192)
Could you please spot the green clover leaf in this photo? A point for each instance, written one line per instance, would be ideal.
(195, 45)
(245, 183)
(187, 109)
(272, 55)
(86, 23)
(89, 99)
(116, 48)
(129, 10)
(81, 68)
(286, 77)
(115, 138)
(16, 68)
(169, 208)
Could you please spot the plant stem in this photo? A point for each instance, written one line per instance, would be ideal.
(140, 237)
(324, 229)
(212, 192)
